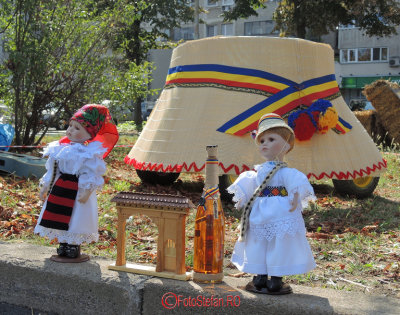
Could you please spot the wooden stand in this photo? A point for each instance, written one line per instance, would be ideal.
(168, 212)
(61, 259)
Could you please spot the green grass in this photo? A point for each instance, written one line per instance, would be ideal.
(356, 243)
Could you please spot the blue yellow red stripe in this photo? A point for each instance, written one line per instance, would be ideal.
(210, 161)
(281, 103)
(227, 76)
(211, 192)
(285, 95)
(342, 126)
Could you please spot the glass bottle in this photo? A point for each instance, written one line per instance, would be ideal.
(208, 257)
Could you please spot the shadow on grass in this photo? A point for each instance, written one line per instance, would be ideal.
(337, 214)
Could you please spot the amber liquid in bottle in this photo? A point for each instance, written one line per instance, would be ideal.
(209, 235)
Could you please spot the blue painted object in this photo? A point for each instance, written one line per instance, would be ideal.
(22, 165)
(6, 136)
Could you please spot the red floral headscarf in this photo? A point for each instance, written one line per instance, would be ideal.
(97, 121)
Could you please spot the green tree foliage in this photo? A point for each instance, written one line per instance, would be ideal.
(318, 17)
(243, 9)
(58, 57)
(55, 59)
(145, 25)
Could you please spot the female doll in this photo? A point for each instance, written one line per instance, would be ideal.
(272, 239)
(74, 171)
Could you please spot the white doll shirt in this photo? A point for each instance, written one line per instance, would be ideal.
(270, 216)
(86, 162)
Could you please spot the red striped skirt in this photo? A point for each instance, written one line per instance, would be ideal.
(60, 203)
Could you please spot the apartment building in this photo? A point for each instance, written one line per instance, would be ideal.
(363, 60)
(261, 25)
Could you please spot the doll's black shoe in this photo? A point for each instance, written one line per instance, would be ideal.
(72, 251)
(260, 281)
(258, 284)
(61, 249)
(275, 286)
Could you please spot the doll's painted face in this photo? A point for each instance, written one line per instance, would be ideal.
(76, 132)
(272, 146)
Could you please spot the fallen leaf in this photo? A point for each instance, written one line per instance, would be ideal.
(237, 275)
(387, 267)
(352, 230)
(369, 228)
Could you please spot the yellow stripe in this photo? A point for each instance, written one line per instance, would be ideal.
(225, 76)
(256, 116)
(280, 103)
(318, 88)
(344, 127)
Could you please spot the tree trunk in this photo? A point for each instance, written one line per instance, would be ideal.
(299, 20)
(134, 54)
(301, 30)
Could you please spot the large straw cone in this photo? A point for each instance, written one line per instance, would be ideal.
(185, 120)
(385, 96)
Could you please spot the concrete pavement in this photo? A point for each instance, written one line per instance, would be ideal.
(28, 279)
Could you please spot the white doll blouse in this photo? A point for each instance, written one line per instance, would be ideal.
(86, 162)
(270, 216)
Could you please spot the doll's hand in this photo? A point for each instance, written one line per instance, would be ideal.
(294, 202)
(43, 193)
(84, 195)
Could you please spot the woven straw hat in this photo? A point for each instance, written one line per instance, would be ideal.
(269, 121)
(218, 88)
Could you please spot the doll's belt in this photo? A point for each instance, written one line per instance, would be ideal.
(67, 176)
(274, 191)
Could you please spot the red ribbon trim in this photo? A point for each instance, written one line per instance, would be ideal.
(349, 175)
(177, 168)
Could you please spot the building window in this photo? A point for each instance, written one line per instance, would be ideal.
(376, 54)
(186, 33)
(211, 30)
(259, 28)
(364, 54)
(227, 29)
(227, 2)
(212, 3)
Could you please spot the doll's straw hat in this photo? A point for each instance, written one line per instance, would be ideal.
(270, 121)
(218, 88)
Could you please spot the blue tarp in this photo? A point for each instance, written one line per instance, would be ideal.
(6, 136)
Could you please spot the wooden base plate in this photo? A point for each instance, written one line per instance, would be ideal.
(150, 271)
(62, 259)
(207, 278)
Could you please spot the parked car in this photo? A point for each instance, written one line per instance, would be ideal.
(360, 104)
(59, 120)
(147, 107)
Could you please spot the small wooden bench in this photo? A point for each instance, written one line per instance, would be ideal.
(169, 213)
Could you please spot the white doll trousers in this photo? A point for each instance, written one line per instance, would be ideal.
(282, 256)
